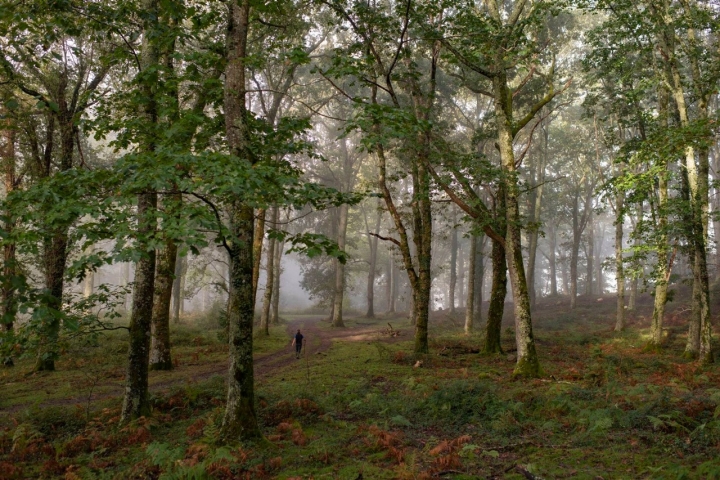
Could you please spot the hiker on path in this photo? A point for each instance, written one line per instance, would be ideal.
(298, 342)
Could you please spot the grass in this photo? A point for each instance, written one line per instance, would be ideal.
(604, 409)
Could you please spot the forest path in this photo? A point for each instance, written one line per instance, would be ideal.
(318, 339)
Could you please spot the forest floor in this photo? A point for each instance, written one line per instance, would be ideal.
(360, 405)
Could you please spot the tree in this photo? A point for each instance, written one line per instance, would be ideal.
(45, 59)
(497, 49)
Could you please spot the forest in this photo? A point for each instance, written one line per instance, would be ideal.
(359, 239)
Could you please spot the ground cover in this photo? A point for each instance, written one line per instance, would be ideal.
(359, 405)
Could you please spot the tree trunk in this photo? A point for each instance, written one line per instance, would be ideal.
(135, 401)
(160, 357)
(392, 283)
(535, 212)
(56, 250)
(373, 249)
(89, 282)
(337, 318)
(662, 271)
(258, 247)
(697, 182)
(239, 421)
(178, 286)
(600, 288)
(461, 276)
(493, 329)
(633, 291)
(270, 282)
(470, 303)
(55, 257)
(420, 280)
(128, 284)
(619, 267)
(422, 238)
(552, 260)
(575, 250)
(275, 314)
(9, 302)
(590, 255)
(453, 267)
(478, 282)
(527, 360)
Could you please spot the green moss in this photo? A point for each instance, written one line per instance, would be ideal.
(528, 367)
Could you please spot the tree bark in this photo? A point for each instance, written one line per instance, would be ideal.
(461, 275)
(391, 287)
(258, 238)
(575, 250)
(337, 318)
(135, 401)
(275, 314)
(552, 260)
(590, 255)
(528, 364)
(160, 351)
(373, 249)
(699, 344)
(453, 267)
(270, 278)
(9, 302)
(239, 421)
(536, 197)
(478, 282)
(498, 292)
(89, 282)
(177, 294)
(662, 271)
(619, 266)
(470, 303)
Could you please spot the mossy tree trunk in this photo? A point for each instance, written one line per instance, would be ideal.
(160, 351)
(498, 290)
(479, 274)
(240, 420)
(696, 161)
(528, 364)
(7, 156)
(663, 269)
(258, 240)
(337, 317)
(275, 314)
(135, 402)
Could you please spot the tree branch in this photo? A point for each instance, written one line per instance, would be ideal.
(387, 239)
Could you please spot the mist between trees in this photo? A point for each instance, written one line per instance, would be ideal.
(166, 161)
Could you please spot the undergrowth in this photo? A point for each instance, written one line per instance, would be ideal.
(365, 409)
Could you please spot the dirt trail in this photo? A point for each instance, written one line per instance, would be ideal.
(317, 340)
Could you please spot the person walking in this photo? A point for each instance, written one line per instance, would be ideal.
(298, 342)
